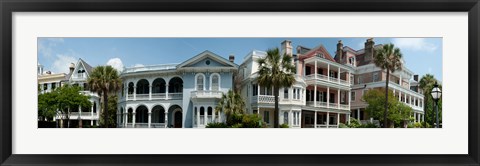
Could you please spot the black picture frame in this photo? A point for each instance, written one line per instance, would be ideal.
(7, 7)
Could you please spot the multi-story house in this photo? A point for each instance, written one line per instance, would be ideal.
(328, 90)
(78, 75)
(175, 95)
(368, 76)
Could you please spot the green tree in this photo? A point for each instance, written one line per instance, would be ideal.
(68, 97)
(47, 106)
(112, 112)
(276, 71)
(388, 58)
(399, 112)
(231, 103)
(426, 84)
(104, 80)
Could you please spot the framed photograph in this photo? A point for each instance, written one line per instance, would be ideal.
(211, 82)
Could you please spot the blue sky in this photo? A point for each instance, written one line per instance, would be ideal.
(422, 55)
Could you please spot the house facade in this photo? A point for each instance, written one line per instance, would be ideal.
(180, 95)
(328, 89)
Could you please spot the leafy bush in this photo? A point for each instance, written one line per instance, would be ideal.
(341, 125)
(410, 125)
(216, 125)
(284, 125)
(252, 121)
(238, 125)
(418, 125)
(354, 123)
(369, 125)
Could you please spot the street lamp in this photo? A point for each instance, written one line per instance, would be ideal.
(436, 94)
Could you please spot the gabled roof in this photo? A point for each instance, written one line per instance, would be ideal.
(86, 66)
(207, 54)
(314, 51)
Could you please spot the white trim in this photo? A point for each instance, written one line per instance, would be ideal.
(211, 80)
(196, 79)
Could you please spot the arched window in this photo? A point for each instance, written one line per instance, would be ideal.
(200, 82)
(215, 82)
(202, 115)
(209, 113)
(130, 88)
(143, 87)
(159, 86)
(175, 85)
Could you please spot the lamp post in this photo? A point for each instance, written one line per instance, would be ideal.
(436, 94)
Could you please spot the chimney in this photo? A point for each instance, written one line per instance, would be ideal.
(339, 56)
(49, 72)
(72, 67)
(295, 61)
(369, 49)
(415, 77)
(231, 58)
(287, 48)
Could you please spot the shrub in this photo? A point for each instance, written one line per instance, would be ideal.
(354, 123)
(216, 125)
(252, 121)
(238, 125)
(369, 125)
(341, 125)
(418, 125)
(410, 125)
(284, 125)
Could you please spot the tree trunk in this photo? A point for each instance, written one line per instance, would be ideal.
(275, 112)
(105, 109)
(385, 124)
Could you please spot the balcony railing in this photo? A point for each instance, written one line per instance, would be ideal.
(206, 94)
(150, 68)
(156, 96)
(175, 96)
(326, 78)
(331, 105)
(263, 99)
(142, 96)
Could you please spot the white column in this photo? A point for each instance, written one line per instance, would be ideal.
(315, 95)
(166, 118)
(401, 78)
(410, 100)
(149, 119)
(338, 75)
(135, 93)
(91, 117)
(414, 117)
(348, 119)
(315, 119)
(328, 118)
(358, 113)
(349, 98)
(166, 91)
(205, 117)
(338, 98)
(423, 117)
(405, 101)
(126, 119)
(150, 92)
(399, 95)
(394, 92)
(133, 119)
(198, 117)
(338, 118)
(328, 97)
(328, 71)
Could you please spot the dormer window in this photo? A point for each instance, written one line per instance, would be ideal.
(351, 61)
(320, 55)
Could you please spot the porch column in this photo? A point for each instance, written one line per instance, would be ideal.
(205, 117)
(338, 75)
(338, 119)
(166, 119)
(80, 124)
(166, 91)
(358, 113)
(126, 119)
(328, 72)
(91, 116)
(290, 118)
(125, 91)
(198, 117)
(338, 98)
(348, 119)
(393, 92)
(315, 119)
(135, 93)
(349, 98)
(405, 101)
(410, 100)
(423, 117)
(133, 119)
(400, 78)
(328, 97)
(315, 96)
(399, 95)
(328, 119)
(414, 117)
(149, 119)
(149, 92)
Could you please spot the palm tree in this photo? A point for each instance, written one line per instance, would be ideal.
(276, 71)
(231, 103)
(388, 58)
(426, 83)
(104, 80)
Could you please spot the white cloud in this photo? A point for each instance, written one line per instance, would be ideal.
(116, 63)
(415, 44)
(62, 63)
(46, 46)
(138, 65)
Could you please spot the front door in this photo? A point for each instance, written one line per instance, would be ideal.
(178, 119)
